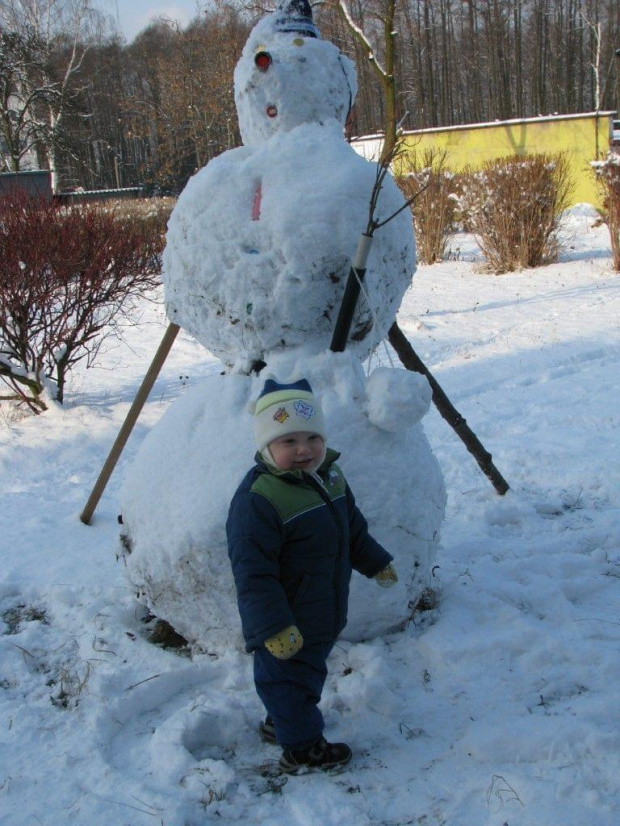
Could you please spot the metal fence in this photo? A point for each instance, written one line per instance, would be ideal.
(34, 182)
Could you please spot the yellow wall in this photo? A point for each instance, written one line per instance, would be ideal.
(584, 137)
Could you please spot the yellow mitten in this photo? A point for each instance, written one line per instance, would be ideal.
(285, 644)
(387, 577)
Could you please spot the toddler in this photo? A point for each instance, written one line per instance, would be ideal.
(294, 536)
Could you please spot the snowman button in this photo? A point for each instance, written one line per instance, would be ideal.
(299, 41)
(272, 111)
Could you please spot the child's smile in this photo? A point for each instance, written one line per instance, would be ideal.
(298, 451)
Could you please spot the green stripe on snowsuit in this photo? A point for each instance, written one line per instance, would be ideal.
(291, 500)
(293, 542)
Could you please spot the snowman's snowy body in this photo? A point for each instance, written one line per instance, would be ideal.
(261, 241)
(258, 250)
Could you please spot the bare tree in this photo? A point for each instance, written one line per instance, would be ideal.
(380, 19)
(21, 59)
(58, 32)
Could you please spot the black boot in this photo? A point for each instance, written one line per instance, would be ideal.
(321, 755)
(267, 730)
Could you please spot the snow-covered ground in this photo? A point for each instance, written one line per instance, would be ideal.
(499, 707)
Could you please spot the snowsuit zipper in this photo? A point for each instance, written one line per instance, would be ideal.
(320, 488)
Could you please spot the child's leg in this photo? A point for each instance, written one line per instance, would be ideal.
(291, 690)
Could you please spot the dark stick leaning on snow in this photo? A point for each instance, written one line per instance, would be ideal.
(412, 361)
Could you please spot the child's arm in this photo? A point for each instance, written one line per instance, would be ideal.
(367, 556)
(254, 533)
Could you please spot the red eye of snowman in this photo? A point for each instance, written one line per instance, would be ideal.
(262, 61)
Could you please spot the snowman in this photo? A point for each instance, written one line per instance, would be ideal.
(258, 251)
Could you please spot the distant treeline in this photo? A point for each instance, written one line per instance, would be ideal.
(154, 111)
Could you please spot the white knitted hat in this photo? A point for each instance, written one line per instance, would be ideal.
(286, 408)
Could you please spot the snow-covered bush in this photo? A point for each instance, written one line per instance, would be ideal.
(434, 208)
(67, 276)
(513, 205)
(608, 176)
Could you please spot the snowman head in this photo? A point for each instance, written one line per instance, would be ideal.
(288, 76)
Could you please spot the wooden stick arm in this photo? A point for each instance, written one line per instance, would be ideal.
(130, 420)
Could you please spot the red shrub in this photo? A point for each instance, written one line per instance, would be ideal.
(67, 276)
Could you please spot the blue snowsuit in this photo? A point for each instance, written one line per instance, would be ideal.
(293, 541)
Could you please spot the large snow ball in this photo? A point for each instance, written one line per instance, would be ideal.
(284, 79)
(174, 503)
(176, 495)
(260, 243)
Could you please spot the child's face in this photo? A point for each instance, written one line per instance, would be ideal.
(297, 451)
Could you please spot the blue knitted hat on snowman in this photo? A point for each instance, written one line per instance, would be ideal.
(286, 408)
(295, 16)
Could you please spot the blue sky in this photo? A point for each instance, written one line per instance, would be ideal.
(132, 16)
